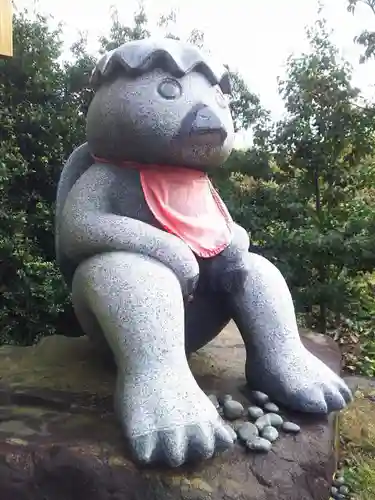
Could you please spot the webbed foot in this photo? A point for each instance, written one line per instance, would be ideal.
(300, 382)
(170, 421)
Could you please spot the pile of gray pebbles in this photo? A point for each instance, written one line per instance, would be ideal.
(258, 427)
(340, 490)
(264, 422)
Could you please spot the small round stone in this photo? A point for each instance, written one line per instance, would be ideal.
(233, 409)
(259, 397)
(334, 490)
(291, 427)
(214, 400)
(223, 399)
(339, 481)
(270, 433)
(236, 425)
(271, 407)
(344, 490)
(339, 496)
(231, 431)
(272, 419)
(255, 412)
(259, 444)
(248, 431)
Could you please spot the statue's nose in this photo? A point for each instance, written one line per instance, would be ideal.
(201, 120)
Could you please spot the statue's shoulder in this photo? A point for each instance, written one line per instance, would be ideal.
(109, 178)
(100, 171)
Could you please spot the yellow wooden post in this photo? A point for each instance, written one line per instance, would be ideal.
(6, 28)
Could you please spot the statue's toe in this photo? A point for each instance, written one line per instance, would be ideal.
(201, 441)
(172, 446)
(143, 447)
(345, 392)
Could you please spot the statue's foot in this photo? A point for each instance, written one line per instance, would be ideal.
(299, 381)
(169, 419)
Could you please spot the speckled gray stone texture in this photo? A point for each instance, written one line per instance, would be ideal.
(270, 419)
(131, 280)
(255, 412)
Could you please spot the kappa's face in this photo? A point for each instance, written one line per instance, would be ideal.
(157, 118)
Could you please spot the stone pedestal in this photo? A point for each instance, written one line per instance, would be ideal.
(59, 439)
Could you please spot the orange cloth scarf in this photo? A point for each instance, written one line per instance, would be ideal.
(186, 204)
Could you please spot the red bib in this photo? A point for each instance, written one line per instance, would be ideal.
(186, 204)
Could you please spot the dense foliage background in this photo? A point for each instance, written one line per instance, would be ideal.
(305, 190)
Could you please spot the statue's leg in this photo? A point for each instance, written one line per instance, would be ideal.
(90, 325)
(205, 317)
(138, 304)
(277, 362)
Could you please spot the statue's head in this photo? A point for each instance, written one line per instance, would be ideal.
(162, 102)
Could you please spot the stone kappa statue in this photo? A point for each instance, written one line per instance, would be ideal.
(156, 265)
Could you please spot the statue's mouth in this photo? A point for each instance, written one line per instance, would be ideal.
(213, 137)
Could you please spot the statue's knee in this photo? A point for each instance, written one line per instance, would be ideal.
(121, 275)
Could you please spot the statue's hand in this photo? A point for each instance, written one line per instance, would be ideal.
(228, 271)
(183, 263)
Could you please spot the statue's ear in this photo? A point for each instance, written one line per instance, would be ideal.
(225, 84)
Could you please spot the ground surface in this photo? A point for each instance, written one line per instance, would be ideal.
(59, 439)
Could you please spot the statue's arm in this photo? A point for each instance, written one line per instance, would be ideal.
(89, 226)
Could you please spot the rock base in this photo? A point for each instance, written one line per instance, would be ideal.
(59, 439)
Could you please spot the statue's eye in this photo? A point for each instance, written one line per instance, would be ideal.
(170, 89)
